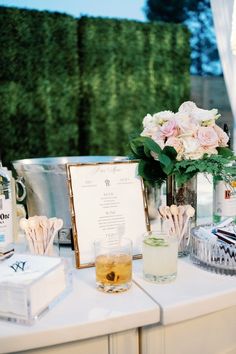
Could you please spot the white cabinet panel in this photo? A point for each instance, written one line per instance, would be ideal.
(210, 334)
(152, 340)
(126, 342)
(88, 346)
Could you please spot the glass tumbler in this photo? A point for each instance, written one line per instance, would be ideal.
(160, 254)
(113, 264)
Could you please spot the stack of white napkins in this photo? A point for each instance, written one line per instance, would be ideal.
(29, 284)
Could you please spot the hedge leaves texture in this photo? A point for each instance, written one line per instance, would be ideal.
(39, 84)
(82, 86)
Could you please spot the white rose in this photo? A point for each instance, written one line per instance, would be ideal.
(149, 125)
(187, 107)
(211, 151)
(198, 154)
(149, 131)
(148, 121)
(192, 148)
(205, 117)
(162, 117)
(190, 144)
(185, 123)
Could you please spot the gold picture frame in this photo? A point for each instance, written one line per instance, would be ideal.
(105, 198)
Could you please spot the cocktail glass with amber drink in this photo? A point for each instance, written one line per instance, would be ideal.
(113, 263)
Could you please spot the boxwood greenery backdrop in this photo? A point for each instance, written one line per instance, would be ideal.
(82, 86)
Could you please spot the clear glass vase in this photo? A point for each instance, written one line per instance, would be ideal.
(184, 194)
(153, 194)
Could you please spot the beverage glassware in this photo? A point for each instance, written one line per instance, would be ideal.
(113, 264)
(160, 253)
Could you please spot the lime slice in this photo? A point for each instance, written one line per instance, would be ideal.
(155, 242)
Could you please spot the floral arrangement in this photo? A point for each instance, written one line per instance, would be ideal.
(182, 144)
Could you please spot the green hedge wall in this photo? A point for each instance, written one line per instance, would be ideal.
(127, 69)
(70, 87)
(38, 84)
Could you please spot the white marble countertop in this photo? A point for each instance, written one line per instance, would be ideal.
(83, 313)
(195, 292)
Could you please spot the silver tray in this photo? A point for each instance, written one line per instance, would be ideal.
(213, 256)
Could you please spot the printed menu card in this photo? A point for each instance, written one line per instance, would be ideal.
(107, 200)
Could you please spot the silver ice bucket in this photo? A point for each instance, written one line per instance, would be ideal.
(46, 184)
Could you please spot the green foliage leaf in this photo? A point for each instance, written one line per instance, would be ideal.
(216, 165)
(137, 148)
(166, 163)
(151, 172)
(143, 146)
(151, 145)
(170, 151)
(225, 152)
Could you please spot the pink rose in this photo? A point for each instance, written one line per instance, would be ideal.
(169, 129)
(207, 137)
(175, 143)
(223, 137)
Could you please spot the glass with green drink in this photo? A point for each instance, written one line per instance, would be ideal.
(160, 254)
